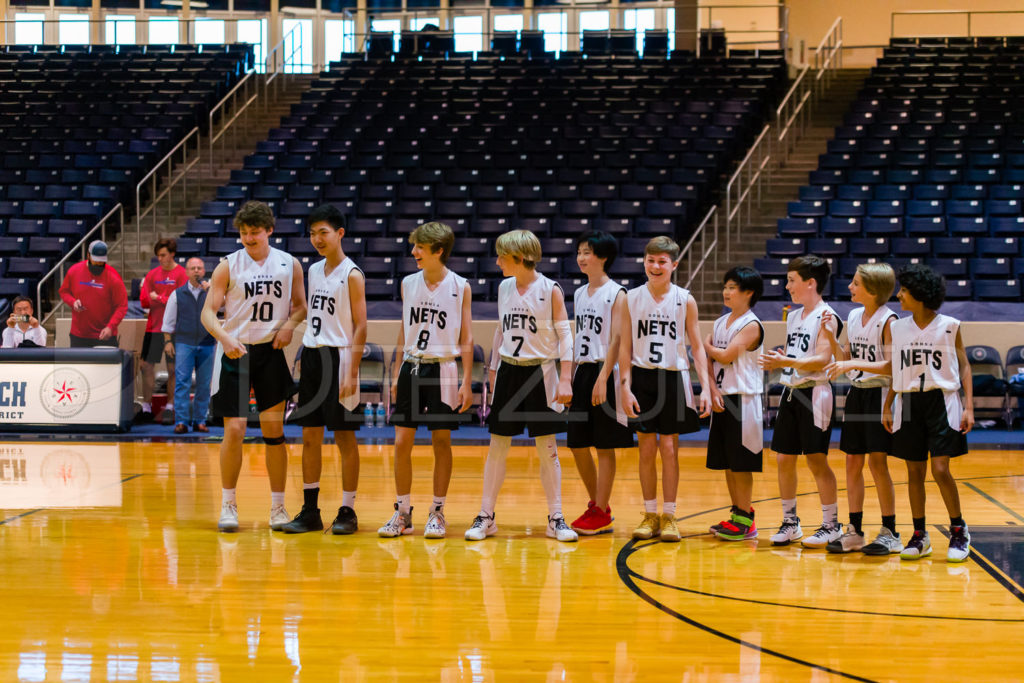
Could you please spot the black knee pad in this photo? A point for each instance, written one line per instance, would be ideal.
(273, 440)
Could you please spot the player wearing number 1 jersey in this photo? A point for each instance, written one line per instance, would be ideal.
(332, 348)
(435, 331)
(655, 383)
(261, 291)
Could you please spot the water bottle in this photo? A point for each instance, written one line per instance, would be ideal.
(368, 415)
(381, 415)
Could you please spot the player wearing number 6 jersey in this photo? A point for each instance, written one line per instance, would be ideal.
(654, 381)
(261, 291)
(436, 329)
(332, 348)
(532, 337)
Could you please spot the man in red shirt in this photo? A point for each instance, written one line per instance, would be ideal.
(97, 297)
(156, 288)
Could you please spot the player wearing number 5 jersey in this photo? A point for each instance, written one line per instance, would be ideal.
(261, 291)
(332, 348)
(655, 384)
(533, 337)
(435, 331)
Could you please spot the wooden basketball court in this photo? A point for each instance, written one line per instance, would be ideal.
(112, 569)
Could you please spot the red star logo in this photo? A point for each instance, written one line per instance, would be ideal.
(64, 392)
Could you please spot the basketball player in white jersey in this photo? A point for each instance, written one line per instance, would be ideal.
(594, 419)
(736, 439)
(332, 348)
(261, 291)
(531, 385)
(435, 330)
(803, 425)
(869, 339)
(654, 381)
(929, 369)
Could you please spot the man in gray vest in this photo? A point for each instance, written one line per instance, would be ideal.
(188, 342)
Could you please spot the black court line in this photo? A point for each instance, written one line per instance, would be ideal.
(626, 576)
(1001, 578)
(1010, 511)
(32, 512)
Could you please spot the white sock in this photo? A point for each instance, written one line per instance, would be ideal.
(438, 502)
(348, 499)
(277, 497)
(651, 505)
(494, 472)
(147, 407)
(789, 508)
(669, 508)
(227, 496)
(306, 486)
(550, 472)
(830, 514)
(404, 502)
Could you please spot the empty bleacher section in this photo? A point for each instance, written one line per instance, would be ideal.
(927, 167)
(633, 146)
(80, 127)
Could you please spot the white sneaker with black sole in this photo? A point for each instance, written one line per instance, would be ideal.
(558, 529)
(482, 527)
(788, 532)
(850, 541)
(885, 543)
(822, 536)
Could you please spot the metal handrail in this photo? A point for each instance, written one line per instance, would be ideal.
(746, 169)
(707, 250)
(86, 239)
(968, 13)
(250, 79)
(172, 180)
(270, 62)
(793, 113)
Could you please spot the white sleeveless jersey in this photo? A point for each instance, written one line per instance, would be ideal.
(593, 314)
(329, 309)
(742, 376)
(527, 329)
(801, 340)
(923, 360)
(866, 343)
(432, 319)
(658, 328)
(259, 295)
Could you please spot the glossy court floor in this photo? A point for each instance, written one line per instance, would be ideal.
(111, 569)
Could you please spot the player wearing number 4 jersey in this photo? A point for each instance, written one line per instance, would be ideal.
(655, 384)
(332, 348)
(436, 329)
(532, 337)
(261, 291)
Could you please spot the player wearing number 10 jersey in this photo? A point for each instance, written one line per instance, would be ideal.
(436, 329)
(262, 294)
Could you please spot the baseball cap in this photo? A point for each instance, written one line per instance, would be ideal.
(98, 251)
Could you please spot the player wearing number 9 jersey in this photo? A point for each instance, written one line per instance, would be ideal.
(435, 331)
(332, 348)
(262, 294)
(654, 380)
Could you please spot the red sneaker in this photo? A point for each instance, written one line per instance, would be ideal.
(593, 521)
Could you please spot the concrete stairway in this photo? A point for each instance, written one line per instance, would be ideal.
(785, 185)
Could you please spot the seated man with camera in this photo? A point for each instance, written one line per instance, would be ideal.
(23, 330)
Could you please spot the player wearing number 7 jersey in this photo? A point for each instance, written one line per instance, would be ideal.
(655, 384)
(332, 348)
(436, 329)
(261, 291)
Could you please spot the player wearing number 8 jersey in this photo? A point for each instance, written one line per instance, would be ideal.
(654, 380)
(435, 331)
(332, 348)
(262, 294)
